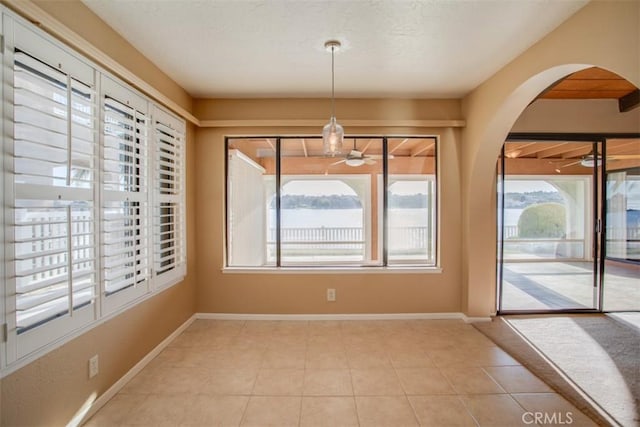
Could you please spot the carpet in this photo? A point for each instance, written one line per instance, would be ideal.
(591, 360)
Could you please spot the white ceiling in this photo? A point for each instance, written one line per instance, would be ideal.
(274, 48)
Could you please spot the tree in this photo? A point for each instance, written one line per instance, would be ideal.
(543, 220)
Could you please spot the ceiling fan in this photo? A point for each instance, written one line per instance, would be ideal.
(357, 158)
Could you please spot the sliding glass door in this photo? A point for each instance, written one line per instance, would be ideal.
(569, 224)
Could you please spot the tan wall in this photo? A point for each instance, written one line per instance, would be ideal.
(220, 292)
(577, 115)
(50, 390)
(603, 33)
(304, 108)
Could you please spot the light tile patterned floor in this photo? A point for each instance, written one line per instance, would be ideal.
(335, 373)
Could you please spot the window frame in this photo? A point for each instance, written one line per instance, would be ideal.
(384, 266)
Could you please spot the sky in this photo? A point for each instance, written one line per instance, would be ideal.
(317, 188)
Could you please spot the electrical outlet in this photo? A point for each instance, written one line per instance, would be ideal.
(331, 294)
(93, 366)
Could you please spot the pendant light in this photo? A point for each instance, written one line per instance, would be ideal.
(332, 133)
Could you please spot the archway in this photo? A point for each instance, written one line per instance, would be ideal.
(480, 180)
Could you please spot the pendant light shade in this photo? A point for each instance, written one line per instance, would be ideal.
(332, 137)
(332, 133)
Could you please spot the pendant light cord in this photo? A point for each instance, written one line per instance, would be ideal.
(333, 100)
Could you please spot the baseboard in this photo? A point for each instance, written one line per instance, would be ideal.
(474, 319)
(118, 385)
(312, 317)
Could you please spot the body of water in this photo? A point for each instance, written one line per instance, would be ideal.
(330, 218)
(313, 218)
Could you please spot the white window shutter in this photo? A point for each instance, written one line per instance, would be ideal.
(169, 188)
(125, 224)
(54, 280)
(93, 194)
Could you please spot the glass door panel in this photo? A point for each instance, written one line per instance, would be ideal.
(621, 288)
(549, 251)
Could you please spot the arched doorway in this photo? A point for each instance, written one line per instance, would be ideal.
(591, 172)
(491, 112)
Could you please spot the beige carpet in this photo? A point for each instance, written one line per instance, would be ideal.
(592, 360)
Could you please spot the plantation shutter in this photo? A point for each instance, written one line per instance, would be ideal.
(91, 204)
(54, 268)
(169, 213)
(125, 228)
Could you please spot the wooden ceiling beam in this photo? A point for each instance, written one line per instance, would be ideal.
(421, 149)
(578, 152)
(268, 141)
(533, 149)
(584, 94)
(366, 147)
(404, 141)
(552, 150)
(629, 101)
(513, 149)
(626, 147)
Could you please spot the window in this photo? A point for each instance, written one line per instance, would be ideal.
(94, 194)
(290, 206)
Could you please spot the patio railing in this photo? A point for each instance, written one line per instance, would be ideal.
(412, 242)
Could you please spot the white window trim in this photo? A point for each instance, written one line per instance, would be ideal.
(396, 269)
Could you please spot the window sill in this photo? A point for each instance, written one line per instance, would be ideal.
(333, 270)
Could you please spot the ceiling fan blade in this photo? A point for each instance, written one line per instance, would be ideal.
(369, 161)
(577, 162)
(338, 162)
(379, 156)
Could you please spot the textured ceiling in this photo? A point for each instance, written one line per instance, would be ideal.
(274, 48)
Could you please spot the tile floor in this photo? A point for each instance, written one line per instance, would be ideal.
(335, 373)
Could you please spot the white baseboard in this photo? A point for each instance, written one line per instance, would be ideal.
(471, 319)
(115, 388)
(312, 317)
